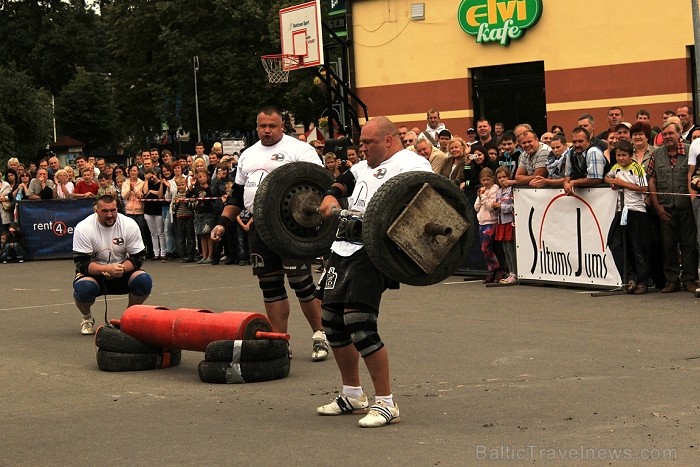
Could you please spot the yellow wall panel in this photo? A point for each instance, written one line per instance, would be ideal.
(392, 49)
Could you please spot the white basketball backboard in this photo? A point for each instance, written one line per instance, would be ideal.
(301, 34)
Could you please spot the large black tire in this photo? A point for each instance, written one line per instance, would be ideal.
(244, 372)
(112, 339)
(276, 202)
(383, 209)
(116, 361)
(251, 350)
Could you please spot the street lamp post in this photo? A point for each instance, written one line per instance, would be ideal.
(195, 62)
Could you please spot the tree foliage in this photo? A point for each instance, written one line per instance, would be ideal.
(85, 110)
(146, 49)
(49, 39)
(25, 116)
(152, 46)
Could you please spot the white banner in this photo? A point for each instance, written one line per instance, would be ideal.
(564, 238)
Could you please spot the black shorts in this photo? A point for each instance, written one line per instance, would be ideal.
(354, 279)
(116, 286)
(266, 261)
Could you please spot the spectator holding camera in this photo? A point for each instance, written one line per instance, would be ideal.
(473, 165)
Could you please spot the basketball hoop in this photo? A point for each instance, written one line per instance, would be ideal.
(278, 66)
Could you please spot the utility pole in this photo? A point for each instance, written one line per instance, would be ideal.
(195, 62)
(53, 115)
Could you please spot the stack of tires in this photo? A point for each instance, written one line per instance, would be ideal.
(245, 361)
(117, 351)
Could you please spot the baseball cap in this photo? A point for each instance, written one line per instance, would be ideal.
(471, 130)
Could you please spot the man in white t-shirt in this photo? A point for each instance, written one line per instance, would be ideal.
(433, 127)
(272, 151)
(108, 252)
(351, 286)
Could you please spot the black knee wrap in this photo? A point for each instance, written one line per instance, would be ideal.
(334, 326)
(273, 288)
(362, 326)
(303, 287)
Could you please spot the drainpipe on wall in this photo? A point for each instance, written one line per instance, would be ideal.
(696, 32)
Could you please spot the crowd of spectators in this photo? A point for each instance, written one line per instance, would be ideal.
(175, 201)
(653, 167)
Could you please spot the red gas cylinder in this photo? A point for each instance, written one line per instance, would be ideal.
(189, 328)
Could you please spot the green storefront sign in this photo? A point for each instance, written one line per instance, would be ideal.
(498, 20)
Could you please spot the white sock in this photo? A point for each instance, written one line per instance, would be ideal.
(388, 400)
(353, 391)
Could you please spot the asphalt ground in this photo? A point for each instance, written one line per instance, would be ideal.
(499, 376)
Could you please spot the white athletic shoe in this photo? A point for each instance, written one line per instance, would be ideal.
(320, 348)
(380, 414)
(87, 327)
(345, 405)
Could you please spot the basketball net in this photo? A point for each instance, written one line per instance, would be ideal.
(278, 66)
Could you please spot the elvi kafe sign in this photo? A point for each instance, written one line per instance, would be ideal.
(498, 21)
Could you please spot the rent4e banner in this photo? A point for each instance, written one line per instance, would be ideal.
(563, 238)
(47, 226)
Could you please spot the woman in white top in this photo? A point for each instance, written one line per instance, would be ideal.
(6, 215)
(63, 188)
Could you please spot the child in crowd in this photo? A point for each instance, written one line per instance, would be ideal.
(106, 185)
(119, 181)
(505, 227)
(492, 152)
(509, 154)
(630, 219)
(556, 160)
(487, 217)
(221, 185)
(11, 245)
(4, 245)
(245, 221)
(86, 188)
(331, 162)
(183, 218)
(203, 215)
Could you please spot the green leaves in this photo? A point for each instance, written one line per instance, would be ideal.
(124, 72)
(25, 115)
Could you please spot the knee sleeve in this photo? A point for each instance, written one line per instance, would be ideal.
(273, 288)
(141, 285)
(334, 326)
(303, 287)
(85, 291)
(362, 326)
